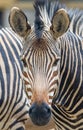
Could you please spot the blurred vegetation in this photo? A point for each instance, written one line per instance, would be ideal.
(28, 3)
(27, 6)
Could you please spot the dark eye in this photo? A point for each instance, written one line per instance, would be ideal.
(24, 62)
(55, 62)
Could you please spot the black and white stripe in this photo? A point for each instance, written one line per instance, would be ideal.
(13, 101)
(54, 66)
(76, 25)
(68, 106)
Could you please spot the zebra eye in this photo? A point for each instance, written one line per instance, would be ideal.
(24, 62)
(55, 62)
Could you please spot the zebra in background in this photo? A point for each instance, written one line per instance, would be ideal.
(53, 66)
(75, 15)
(13, 100)
(76, 25)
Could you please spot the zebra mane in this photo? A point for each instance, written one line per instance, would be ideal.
(44, 11)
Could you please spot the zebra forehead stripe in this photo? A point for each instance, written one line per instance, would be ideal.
(45, 10)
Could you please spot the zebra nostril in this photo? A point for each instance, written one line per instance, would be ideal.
(48, 110)
(30, 111)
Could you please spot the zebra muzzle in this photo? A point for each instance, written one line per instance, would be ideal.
(40, 114)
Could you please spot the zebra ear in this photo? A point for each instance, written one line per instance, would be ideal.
(18, 22)
(60, 23)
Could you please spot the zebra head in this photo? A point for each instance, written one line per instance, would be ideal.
(41, 57)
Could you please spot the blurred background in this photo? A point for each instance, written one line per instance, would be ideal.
(27, 7)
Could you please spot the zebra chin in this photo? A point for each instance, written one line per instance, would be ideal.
(40, 114)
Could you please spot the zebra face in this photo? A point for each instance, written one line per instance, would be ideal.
(41, 58)
(41, 73)
(41, 77)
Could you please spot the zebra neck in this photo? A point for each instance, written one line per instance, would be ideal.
(70, 72)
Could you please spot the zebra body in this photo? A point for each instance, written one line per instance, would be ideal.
(68, 105)
(76, 25)
(53, 66)
(13, 102)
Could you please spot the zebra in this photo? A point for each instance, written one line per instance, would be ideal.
(52, 55)
(76, 25)
(76, 19)
(75, 15)
(13, 101)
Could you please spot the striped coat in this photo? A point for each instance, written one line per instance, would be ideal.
(53, 59)
(13, 101)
